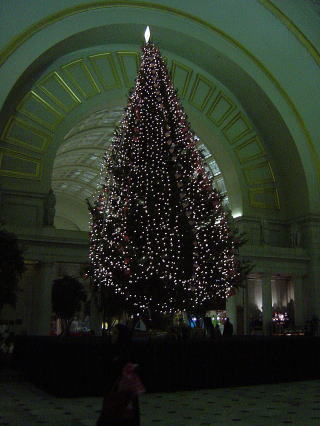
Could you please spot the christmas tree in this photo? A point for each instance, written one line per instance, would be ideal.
(160, 238)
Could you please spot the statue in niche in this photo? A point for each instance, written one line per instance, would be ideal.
(263, 232)
(49, 208)
(295, 235)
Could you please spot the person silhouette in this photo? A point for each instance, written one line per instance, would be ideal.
(217, 331)
(228, 328)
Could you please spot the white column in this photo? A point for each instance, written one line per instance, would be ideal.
(310, 239)
(266, 304)
(299, 301)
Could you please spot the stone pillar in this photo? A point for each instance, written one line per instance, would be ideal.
(310, 236)
(42, 299)
(231, 308)
(266, 304)
(299, 301)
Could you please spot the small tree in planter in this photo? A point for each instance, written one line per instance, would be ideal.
(11, 268)
(67, 295)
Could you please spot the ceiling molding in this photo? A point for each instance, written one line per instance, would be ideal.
(83, 148)
(300, 36)
(75, 166)
(78, 182)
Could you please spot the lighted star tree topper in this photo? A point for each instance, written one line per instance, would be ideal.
(160, 239)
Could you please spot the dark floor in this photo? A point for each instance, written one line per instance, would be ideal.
(297, 403)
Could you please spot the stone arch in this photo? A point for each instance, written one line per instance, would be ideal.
(226, 44)
(265, 56)
(51, 100)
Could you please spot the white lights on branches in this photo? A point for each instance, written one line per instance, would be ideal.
(159, 235)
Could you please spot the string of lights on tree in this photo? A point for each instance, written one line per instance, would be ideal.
(160, 238)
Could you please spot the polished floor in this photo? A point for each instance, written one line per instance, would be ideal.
(297, 403)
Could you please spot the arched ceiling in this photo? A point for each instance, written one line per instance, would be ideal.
(79, 83)
(75, 174)
(74, 59)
